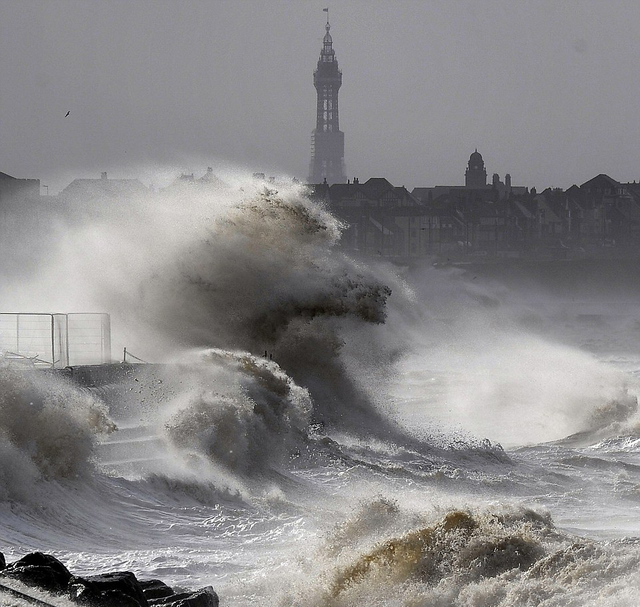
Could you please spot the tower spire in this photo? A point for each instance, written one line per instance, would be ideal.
(327, 141)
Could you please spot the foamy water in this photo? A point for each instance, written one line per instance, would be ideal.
(412, 437)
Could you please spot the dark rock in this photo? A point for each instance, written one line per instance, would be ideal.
(205, 597)
(169, 600)
(155, 589)
(107, 598)
(45, 560)
(41, 570)
(118, 589)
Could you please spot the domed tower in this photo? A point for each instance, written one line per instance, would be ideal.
(327, 140)
(476, 174)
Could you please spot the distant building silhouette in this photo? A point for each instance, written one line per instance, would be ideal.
(381, 220)
(476, 174)
(26, 224)
(89, 191)
(87, 199)
(475, 189)
(12, 188)
(327, 140)
(188, 182)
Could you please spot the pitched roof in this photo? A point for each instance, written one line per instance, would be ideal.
(376, 187)
(600, 181)
(338, 191)
(109, 188)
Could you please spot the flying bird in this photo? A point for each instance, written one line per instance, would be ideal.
(69, 112)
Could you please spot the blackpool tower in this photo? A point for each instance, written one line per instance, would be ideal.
(327, 140)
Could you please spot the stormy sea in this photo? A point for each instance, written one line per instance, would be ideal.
(318, 430)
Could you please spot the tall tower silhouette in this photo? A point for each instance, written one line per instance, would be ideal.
(327, 140)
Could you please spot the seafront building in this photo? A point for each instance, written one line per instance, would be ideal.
(24, 212)
(380, 219)
(600, 218)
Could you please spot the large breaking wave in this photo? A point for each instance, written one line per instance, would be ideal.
(261, 273)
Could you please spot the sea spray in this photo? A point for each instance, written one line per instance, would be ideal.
(48, 429)
(236, 266)
(510, 378)
(239, 411)
(504, 556)
(264, 276)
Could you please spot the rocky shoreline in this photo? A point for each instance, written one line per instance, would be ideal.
(47, 574)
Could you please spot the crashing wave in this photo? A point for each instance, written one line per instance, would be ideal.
(48, 430)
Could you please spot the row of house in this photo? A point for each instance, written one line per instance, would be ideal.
(600, 217)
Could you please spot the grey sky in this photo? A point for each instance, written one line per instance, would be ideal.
(547, 90)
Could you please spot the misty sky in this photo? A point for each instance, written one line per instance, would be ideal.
(547, 90)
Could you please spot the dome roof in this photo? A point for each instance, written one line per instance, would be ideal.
(475, 158)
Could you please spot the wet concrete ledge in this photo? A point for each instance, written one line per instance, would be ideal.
(95, 376)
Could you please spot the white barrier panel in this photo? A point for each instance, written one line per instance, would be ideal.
(55, 340)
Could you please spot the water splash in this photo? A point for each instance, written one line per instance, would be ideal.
(48, 430)
(240, 411)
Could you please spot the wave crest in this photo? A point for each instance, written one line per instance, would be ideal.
(461, 544)
(264, 275)
(48, 429)
(241, 412)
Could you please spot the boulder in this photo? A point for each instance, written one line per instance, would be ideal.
(41, 570)
(117, 589)
(205, 597)
(155, 589)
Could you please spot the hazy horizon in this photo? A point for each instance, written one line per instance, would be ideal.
(545, 91)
